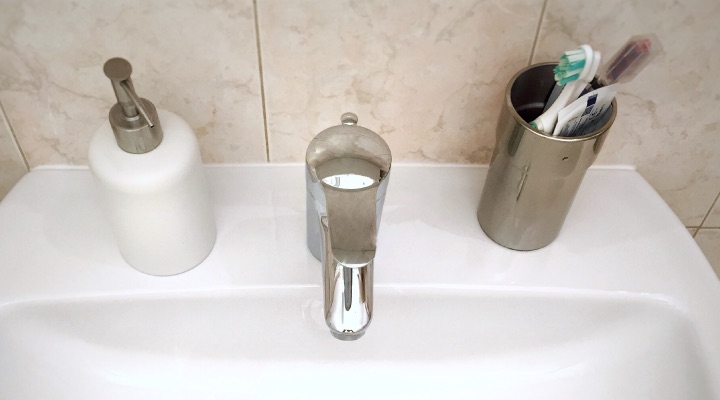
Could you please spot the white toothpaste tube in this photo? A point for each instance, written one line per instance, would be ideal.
(586, 114)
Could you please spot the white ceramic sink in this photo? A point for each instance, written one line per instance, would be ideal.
(621, 306)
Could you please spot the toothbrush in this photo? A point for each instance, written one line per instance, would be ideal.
(635, 54)
(575, 70)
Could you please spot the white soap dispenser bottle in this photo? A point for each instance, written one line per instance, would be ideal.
(149, 175)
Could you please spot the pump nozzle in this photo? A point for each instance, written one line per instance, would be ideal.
(132, 134)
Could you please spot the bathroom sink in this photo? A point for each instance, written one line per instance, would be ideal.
(610, 310)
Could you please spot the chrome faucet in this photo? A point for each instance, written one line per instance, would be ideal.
(347, 170)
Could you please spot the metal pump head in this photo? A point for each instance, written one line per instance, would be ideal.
(134, 120)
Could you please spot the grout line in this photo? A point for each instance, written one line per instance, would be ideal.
(537, 32)
(707, 214)
(10, 129)
(262, 81)
(697, 232)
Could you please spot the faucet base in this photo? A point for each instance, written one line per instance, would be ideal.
(347, 337)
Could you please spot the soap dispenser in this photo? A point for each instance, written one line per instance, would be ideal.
(150, 179)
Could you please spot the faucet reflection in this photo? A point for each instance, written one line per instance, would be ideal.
(347, 170)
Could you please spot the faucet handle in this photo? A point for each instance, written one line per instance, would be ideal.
(348, 140)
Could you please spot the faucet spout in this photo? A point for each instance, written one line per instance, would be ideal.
(347, 291)
(349, 232)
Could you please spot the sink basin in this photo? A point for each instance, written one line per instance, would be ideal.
(425, 342)
(610, 310)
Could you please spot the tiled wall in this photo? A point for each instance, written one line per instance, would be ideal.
(257, 79)
(12, 165)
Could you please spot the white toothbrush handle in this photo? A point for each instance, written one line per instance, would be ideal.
(546, 122)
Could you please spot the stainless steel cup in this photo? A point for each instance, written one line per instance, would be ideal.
(533, 177)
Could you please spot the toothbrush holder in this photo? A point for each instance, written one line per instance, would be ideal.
(533, 177)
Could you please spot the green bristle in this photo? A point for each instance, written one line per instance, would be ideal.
(570, 66)
(565, 75)
(579, 64)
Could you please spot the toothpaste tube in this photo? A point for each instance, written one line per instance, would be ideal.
(586, 114)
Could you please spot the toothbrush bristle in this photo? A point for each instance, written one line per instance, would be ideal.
(568, 79)
(561, 73)
(570, 66)
(567, 65)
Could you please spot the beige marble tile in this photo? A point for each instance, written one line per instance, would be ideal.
(709, 242)
(428, 76)
(197, 59)
(12, 166)
(668, 124)
(713, 219)
(692, 231)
